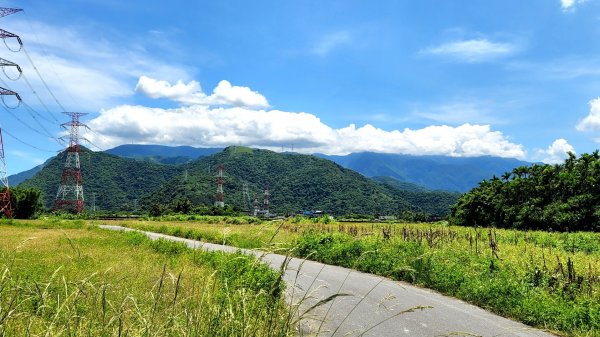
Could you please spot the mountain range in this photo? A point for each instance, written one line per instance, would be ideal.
(433, 172)
(296, 181)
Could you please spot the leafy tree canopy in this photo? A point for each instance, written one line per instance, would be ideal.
(564, 197)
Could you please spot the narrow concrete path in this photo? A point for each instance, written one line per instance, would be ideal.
(371, 305)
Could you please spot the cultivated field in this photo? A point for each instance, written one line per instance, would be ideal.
(548, 280)
(69, 278)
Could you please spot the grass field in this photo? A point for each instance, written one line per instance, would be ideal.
(69, 278)
(548, 280)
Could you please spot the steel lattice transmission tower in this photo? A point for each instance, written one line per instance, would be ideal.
(8, 11)
(266, 197)
(70, 192)
(5, 205)
(246, 196)
(220, 196)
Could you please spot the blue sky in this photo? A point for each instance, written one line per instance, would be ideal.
(508, 78)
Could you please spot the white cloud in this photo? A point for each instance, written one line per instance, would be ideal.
(226, 94)
(83, 70)
(557, 152)
(570, 4)
(191, 93)
(567, 3)
(331, 41)
(592, 121)
(206, 126)
(474, 50)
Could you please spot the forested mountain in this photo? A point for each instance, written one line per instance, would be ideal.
(563, 197)
(433, 172)
(431, 202)
(296, 182)
(401, 185)
(117, 181)
(161, 153)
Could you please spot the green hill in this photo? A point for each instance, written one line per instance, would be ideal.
(116, 181)
(435, 203)
(297, 182)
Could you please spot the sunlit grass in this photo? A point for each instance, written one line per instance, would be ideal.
(550, 280)
(71, 279)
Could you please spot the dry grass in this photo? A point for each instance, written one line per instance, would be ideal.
(62, 281)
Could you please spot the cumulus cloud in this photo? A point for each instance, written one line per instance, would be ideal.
(592, 121)
(557, 152)
(191, 93)
(474, 50)
(207, 126)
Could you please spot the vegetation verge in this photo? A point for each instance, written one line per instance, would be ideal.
(548, 280)
(66, 278)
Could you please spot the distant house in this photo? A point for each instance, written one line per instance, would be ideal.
(311, 213)
(387, 218)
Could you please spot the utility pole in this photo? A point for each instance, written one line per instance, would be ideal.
(94, 202)
(70, 192)
(5, 204)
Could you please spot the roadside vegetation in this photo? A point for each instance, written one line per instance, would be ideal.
(548, 280)
(69, 278)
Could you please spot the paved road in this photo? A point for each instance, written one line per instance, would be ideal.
(372, 305)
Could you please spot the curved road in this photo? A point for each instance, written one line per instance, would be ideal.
(370, 305)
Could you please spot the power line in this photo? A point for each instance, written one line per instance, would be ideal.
(27, 144)
(32, 110)
(39, 98)
(45, 53)
(29, 109)
(42, 79)
(30, 127)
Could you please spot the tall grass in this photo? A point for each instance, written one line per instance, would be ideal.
(549, 280)
(76, 282)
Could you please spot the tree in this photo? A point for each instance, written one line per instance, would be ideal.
(26, 202)
(564, 197)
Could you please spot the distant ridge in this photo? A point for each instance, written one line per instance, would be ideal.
(16, 179)
(434, 172)
(162, 153)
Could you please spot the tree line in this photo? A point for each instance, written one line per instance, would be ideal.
(562, 197)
